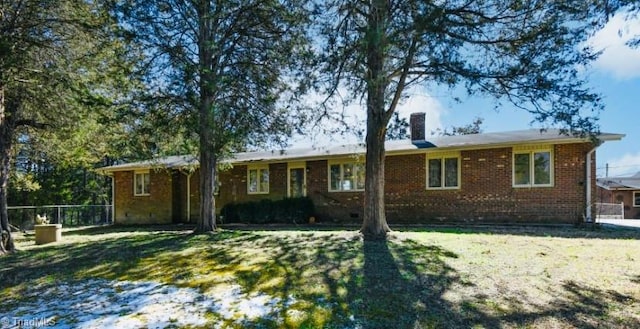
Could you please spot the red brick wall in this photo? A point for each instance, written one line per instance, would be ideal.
(152, 209)
(617, 196)
(486, 193)
(331, 206)
(233, 187)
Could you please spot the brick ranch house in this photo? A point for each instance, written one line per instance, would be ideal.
(525, 176)
(621, 189)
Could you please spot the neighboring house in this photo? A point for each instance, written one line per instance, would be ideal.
(625, 190)
(525, 176)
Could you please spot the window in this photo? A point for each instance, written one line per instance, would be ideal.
(346, 176)
(532, 168)
(636, 199)
(258, 180)
(443, 171)
(141, 182)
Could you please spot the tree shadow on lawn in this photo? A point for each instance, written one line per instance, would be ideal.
(569, 231)
(542, 230)
(105, 229)
(340, 281)
(110, 258)
(330, 280)
(344, 282)
(561, 231)
(579, 306)
(404, 286)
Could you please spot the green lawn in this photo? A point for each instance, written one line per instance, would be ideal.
(431, 278)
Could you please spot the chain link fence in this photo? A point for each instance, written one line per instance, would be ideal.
(24, 217)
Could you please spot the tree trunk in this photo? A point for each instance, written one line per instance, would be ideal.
(208, 168)
(6, 240)
(374, 224)
(208, 158)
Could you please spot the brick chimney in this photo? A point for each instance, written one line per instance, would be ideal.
(417, 123)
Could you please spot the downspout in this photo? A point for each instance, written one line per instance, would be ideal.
(189, 197)
(113, 199)
(589, 218)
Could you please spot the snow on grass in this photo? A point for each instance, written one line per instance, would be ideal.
(253, 306)
(101, 303)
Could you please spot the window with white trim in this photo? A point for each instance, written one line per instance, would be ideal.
(141, 182)
(533, 168)
(443, 171)
(258, 180)
(636, 199)
(346, 176)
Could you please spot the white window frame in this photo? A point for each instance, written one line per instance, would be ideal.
(531, 151)
(442, 156)
(342, 163)
(146, 191)
(636, 195)
(259, 172)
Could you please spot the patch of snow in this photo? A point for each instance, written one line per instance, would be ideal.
(233, 302)
(101, 303)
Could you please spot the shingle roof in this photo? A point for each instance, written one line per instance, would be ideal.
(174, 161)
(614, 183)
(460, 142)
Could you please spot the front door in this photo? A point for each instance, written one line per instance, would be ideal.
(297, 184)
(179, 197)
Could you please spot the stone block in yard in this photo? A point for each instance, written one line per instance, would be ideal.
(47, 233)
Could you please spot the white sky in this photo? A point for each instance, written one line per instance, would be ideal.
(619, 66)
(618, 59)
(418, 101)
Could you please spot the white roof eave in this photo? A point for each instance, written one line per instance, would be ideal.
(465, 142)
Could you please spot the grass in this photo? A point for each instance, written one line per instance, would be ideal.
(422, 278)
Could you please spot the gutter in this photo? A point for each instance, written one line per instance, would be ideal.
(113, 200)
(347, 150)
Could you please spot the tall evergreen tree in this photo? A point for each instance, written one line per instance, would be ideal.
(527, 53)
(54, 59)
(219, 72)
(397, 128)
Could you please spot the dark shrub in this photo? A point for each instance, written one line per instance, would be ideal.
(246, 211)
(229, 213)
(289, 210)
(263, 212)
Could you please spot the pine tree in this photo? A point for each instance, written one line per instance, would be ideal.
(221, 72)
(55, 60)
(527, 53)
